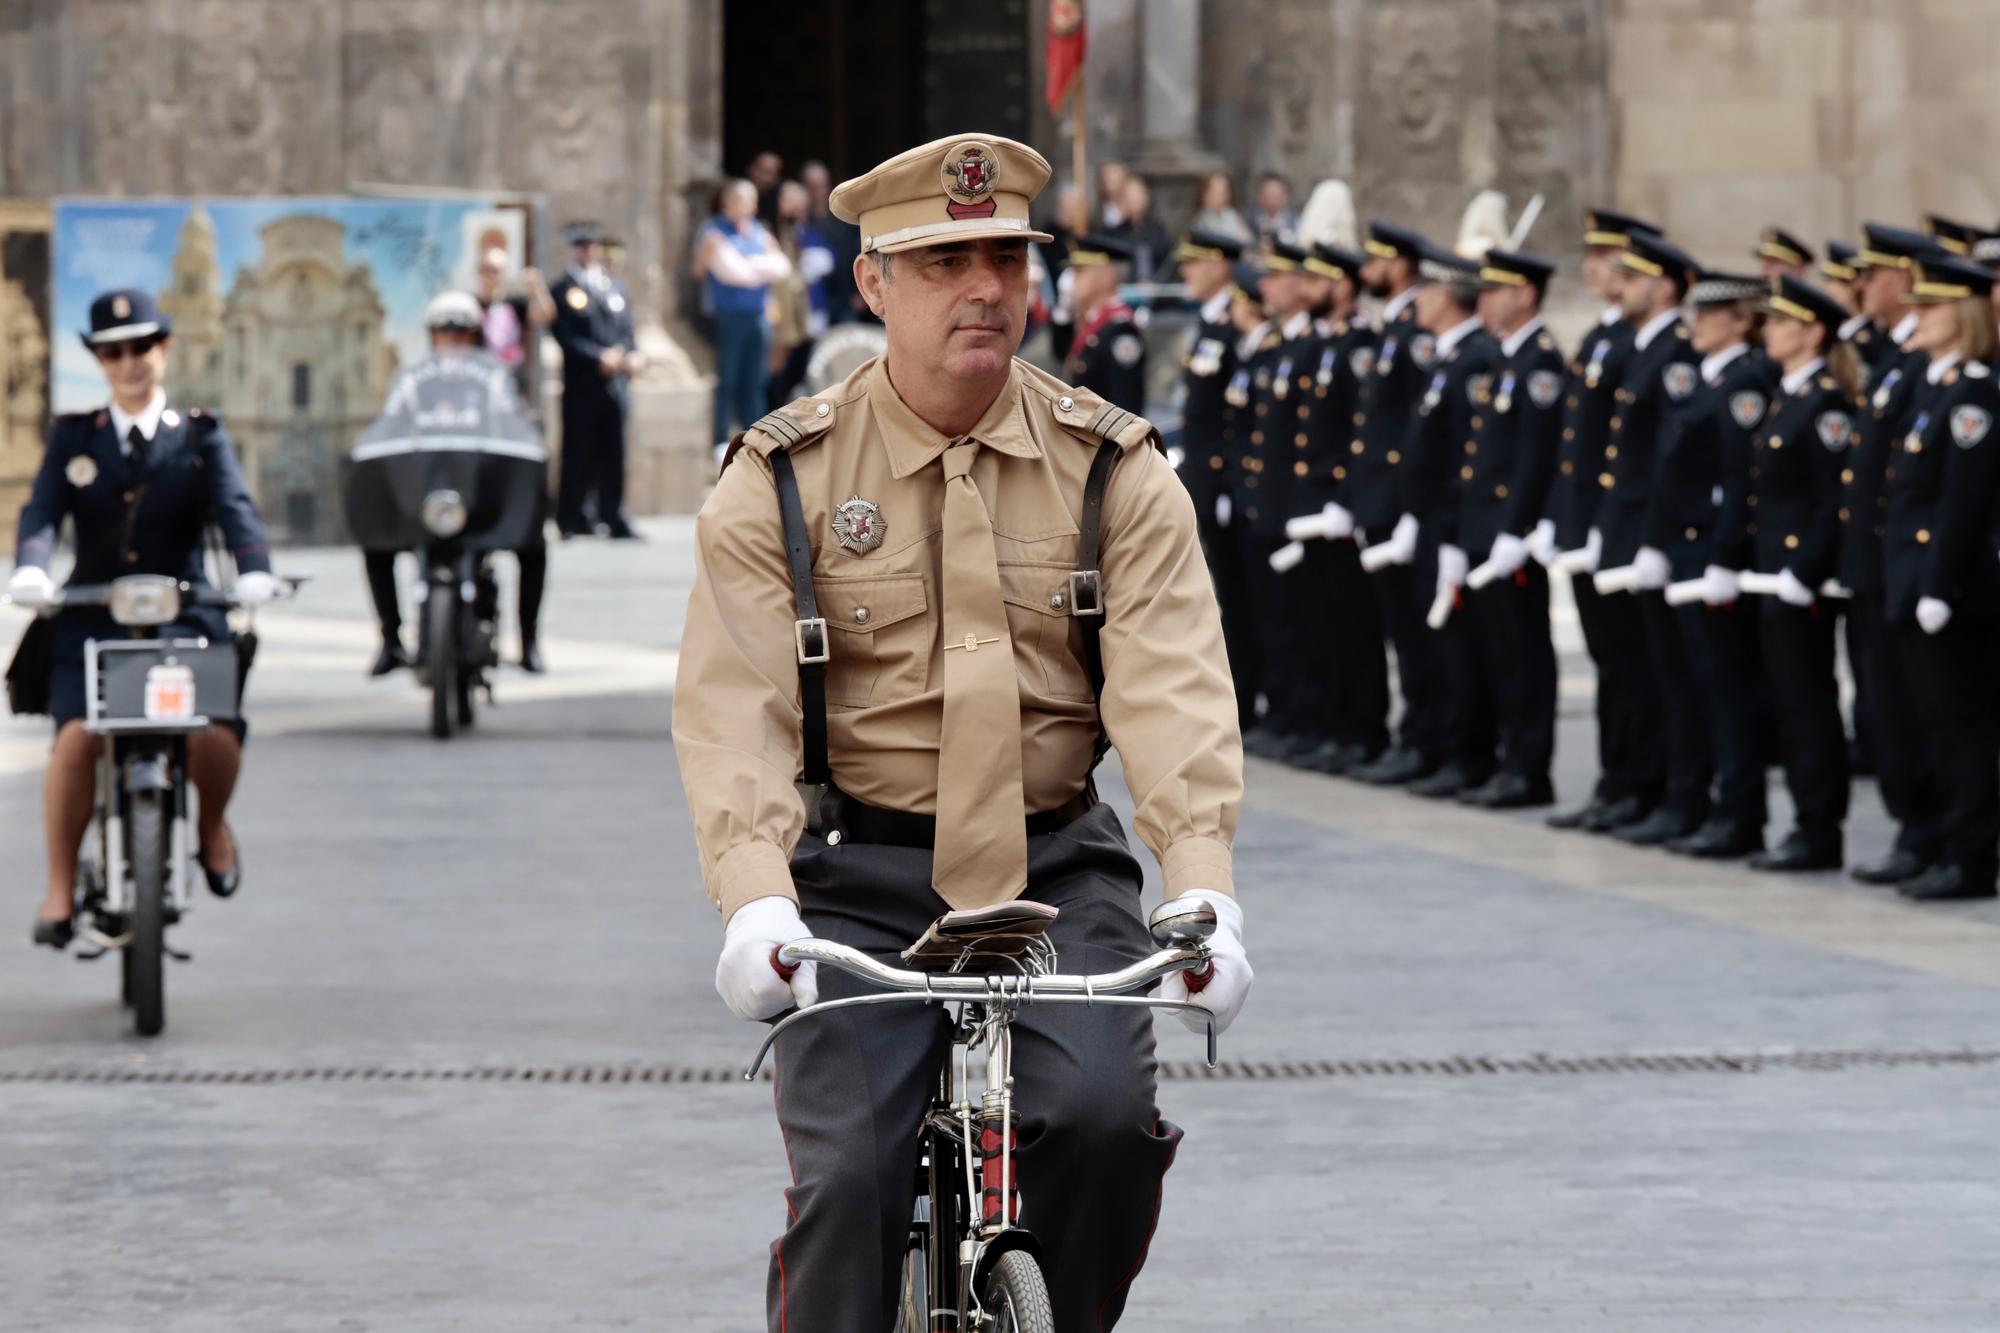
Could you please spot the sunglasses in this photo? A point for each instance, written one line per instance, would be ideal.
(130, 347)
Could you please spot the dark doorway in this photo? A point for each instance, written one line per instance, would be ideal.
(852, 82)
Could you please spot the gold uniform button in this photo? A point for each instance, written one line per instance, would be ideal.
(1356, 447)
(1500, 492)
(131, 557)
(1465, 474)
(1395, 457)
(1299, 469)
(1471, 448)
(1693, 533)
(1304, 412)
(1569, 432)
(1572, 400)
(1791, 542)
(1215, 462)
(1262, 408)
(1750, 500)
(1611, 452)
(1843, 514)
(1847, 476)
(1606, 480)
(130, 496)
(1300, 439)
(1776, 441)
(1569, 468)
(1476, 423)
(1617, 423)
(1923, 536)
(1340, 474)
(1359, 418)
(1319, 392)
(1256, 437)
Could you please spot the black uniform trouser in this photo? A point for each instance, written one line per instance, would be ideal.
(1512, 619)
(1277, 646)
(381, 569)
(593, 453)
(1224, 554)
(1684, 726)
(1812, 743)
(851, 1087)
(1628, 722)
(1953, 671)
(1404, 593)
(1721, 643)
(1905, 771)
(1316, 638)
(1359, 712)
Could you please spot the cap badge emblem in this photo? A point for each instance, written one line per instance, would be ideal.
(858, 525)
(121, 308)
(970, 172)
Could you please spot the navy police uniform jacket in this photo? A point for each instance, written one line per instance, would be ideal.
(1700, 511)
(1589, 403)
(1436, 469)
(1109, 359)
(1662, 373)
(588, 321)
(1511, 456)
(1206, 369)
(1258, 490)
(1943, 478)
(1802, 447)
(1387, 404)
(1328, 385)
(1879, 427)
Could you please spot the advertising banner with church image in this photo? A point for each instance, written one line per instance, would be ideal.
(290, 317)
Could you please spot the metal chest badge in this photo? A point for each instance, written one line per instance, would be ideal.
(81, 471)
(858, 525)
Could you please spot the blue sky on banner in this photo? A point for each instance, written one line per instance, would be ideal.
(412, 247)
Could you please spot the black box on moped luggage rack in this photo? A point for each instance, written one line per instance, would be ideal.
(159, 684)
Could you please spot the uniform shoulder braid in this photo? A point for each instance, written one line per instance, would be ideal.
(797, 423)
(1084, 414)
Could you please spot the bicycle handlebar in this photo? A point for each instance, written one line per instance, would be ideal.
(73, 595)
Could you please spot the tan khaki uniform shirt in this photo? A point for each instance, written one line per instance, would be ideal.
(1168, 702)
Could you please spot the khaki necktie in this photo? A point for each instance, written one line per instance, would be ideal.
(982, 841)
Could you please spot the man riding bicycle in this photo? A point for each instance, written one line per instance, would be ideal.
(896, 712)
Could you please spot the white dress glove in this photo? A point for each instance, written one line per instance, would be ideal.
(1223, 509)
(1229, 985)
(1405, 537)
(1339, 522)
(1719, 586)
(31, 586)
(258, 588)
(1509, 553)
(1650, 569)
(1593, 550)
(1933, 614)
(1452, 569)
(1542, 543)
(1791, 592)
(745, 975)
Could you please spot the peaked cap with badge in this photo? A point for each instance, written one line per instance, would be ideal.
(961, 188)
(124, 315)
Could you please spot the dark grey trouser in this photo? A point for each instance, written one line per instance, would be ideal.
(852, 1086)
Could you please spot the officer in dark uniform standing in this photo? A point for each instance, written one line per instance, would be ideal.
(1253, 332)
(1661, 375)
(1795, 491)
(593, 326)
(1943, 581)
(140, 482)
(1842, 274)
(1781, 254)
(1207, 260)
(1354, 675)
(1512, 457)
(1435, 473)
(1628, 769)
(1108, 354)
(1388, 404)
(1954, 237)
(1885, 704)
(1270, 446)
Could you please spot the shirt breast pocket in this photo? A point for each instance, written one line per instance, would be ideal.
(881, 643)
(1047, 640)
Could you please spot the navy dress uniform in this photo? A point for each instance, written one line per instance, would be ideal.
(1943, 484)
(1628, 764)
(1783, 250)
(1455, 402)
(1387, 405)
(592, 315)
(1241, 632)
(1795, 490)
(1511, 457)
(140, 501)
(1207, 368)
(1108, 354)
(1350, 668)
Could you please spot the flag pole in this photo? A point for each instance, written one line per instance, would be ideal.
(1078, 143)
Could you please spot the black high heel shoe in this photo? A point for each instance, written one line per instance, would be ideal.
(224, 883)
(55, 934)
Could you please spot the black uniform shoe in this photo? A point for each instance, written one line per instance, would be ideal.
(1511, 791)
(1720, 840)
(531, 658)
(391, 658)
(1894, 868)
(1569, 820)
(1447, 782)
(1796, 852)
(1331, 757)
(1293, 749)
(224, 883)
(1395, 768)
(1616, 814)
(55, 934)
(618, 530)
(1262, 741)
(1946, 883)
(1657, 829)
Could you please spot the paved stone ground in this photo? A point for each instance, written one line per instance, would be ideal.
(523, 898)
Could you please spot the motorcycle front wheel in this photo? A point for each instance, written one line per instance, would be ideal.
(441, 633)
(144, 969)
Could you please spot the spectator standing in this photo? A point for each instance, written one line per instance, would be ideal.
(843, 245)
(1274, 219)
(738, 260)
(1111, 178)
(1215, 208)
(801, 297)
(1149, 242)
(511, 313)
(765, 171)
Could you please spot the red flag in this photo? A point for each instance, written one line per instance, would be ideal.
(1064, 53)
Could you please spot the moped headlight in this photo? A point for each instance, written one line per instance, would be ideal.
(444, 513)
(145, 599)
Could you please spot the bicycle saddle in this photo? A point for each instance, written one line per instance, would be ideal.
(980, 939)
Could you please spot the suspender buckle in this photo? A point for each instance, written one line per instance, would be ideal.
(1086, 593)
(810, 636)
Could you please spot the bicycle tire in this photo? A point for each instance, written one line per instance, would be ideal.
(1015, 1291)
(913, 1299)
(441, 624)
(146, 952)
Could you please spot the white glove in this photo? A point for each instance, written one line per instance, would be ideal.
(1509, 553)
(1719, 586)
(31, 587)
(1649, 569)
(1791, 592)
(1542, 543)
(745, 975)
(258, 588)
(1452, 568)
(1223, 509)
(1933, 614)
(1229, 985)
(1593, 547)
(1404, 535)
(1339, 523)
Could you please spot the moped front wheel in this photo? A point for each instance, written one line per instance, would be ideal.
(1016, 1298)
(146, 951)
(441, 630)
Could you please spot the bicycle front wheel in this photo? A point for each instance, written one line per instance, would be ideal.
(1016, 1298)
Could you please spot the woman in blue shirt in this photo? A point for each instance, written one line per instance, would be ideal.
(737, 260)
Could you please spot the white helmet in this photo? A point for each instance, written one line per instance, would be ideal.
(453, 310)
